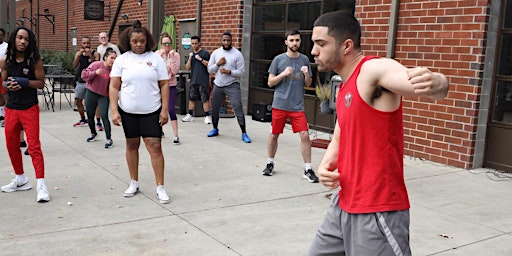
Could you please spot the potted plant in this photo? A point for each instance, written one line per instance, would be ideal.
(323, 92)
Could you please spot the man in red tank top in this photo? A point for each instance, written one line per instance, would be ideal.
(370, 213)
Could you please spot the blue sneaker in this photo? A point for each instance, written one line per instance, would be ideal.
(214, 132)
(246, 138)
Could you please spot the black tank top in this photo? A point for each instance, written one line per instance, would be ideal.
(83, 63)
(27, 96)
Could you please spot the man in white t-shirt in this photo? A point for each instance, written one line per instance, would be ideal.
(3, 45)
(104, 44)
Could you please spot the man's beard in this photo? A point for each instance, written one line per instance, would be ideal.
(294, 49)
(331, 63)
(227, 47)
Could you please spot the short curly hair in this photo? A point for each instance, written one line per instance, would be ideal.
(124, 37)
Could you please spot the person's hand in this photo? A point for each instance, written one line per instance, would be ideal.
(198, 57)
(87, 51)
(421, 79)
(328, 176)
(116, 119)
(164, 117)
(305, 70)
(221, 61)
(12, 84)
(99, 71)
(225, 71)
(287, 71)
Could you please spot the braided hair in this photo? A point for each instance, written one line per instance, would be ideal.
(31, 52)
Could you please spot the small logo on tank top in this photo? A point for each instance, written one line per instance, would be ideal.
(149, 63)
(25, 71)
(348, 99)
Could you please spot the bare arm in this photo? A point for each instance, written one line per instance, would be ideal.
(38, 83)
(328, 165)
(273, 80)
(2, 67)
(164, 92)
(416, 82)
(77, 57)
(113, 93)
(188, 66)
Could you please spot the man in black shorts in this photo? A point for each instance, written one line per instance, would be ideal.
(199, 80)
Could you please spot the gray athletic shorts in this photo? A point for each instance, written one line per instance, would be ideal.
(376, 234)
(80, 90)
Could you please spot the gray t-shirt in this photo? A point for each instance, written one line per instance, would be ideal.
(198, 71)
(289, 93)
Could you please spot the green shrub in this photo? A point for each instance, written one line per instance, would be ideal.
(53, 57)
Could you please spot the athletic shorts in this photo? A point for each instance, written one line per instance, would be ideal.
(297, 119)
(80, 90)
(376, 234)
(199, 92)
(141, 125)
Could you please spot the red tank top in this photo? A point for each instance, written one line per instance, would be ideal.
(370, 156)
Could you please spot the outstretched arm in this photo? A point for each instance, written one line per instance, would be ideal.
(415, 82)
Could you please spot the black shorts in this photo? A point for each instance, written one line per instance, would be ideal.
(199, 92)
(141, 125)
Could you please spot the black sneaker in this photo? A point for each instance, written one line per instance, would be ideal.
(268, 170)
(92, 137)
(310, 176)
(23, 144)
(26, 152)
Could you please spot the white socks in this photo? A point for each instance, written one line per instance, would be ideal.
(40, 182)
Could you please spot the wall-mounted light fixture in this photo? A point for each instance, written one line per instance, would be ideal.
(139, 2)
(124, 16)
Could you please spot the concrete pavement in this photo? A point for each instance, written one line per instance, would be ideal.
(221, 204)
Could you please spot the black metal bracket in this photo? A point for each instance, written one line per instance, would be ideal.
(52, 20)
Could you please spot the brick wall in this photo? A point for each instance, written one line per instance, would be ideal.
(75, 18)
(447, 36)
(218, 16)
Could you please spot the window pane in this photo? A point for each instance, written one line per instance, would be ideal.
(269, 18)
(267, 46)
(266, 1)
(505, 65)
(306, 45)
(507, 23)
(503, 104)
(259, 74)
(303, 15)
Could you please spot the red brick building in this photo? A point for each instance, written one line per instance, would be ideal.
(469, 41)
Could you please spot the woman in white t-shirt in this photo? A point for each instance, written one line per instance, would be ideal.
(139, 95)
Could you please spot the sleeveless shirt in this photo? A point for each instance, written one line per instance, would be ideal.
(370, 155)
(27, 96)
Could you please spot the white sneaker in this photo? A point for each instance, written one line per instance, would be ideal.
(162, 196)
(188, 118)
(207, 120)
(132, 189)
(42, 194)
(16, 186)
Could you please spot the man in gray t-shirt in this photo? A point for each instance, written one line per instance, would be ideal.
(289, 73)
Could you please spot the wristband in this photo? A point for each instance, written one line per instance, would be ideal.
(22, 81)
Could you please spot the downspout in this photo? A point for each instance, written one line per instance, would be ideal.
(199, 16)
(393, 24)
(114, 20)
(67, 25)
